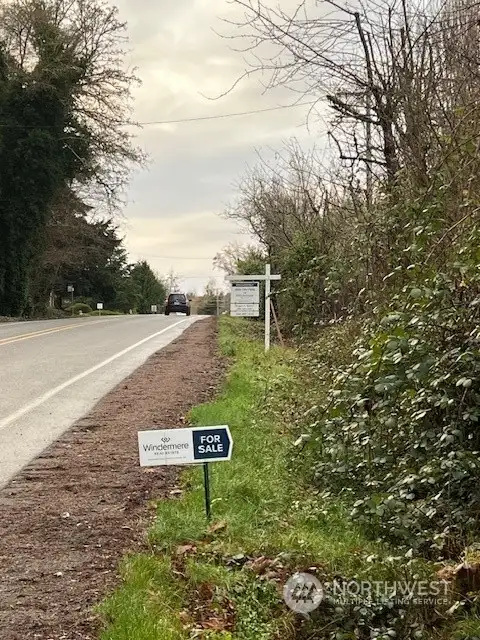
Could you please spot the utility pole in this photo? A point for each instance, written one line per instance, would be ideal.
(172, 280)
(368, 137)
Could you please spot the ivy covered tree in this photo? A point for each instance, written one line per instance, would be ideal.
(63, 100)
(34, 164)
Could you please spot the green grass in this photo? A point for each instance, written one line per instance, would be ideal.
(260, 507)
(253, 494)
(468, 629)
(146, 606)
(104, 312)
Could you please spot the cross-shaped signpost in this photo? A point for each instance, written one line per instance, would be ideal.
(246, 299)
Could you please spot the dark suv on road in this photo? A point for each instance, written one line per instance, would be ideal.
(177, 302)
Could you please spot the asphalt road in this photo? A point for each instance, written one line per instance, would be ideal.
(53, 372)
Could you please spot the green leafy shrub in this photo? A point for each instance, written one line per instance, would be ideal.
(398, 431)
(75, 308)
(106, 312)
(53, 314)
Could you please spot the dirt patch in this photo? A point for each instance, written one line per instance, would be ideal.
(68, 518)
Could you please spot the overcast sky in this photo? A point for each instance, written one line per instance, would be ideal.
(172, 216)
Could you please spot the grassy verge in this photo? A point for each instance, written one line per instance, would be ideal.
(104, 312)
(224, 581)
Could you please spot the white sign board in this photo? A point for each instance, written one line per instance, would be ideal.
(70, 288)
(242, 280)
(99, 306)
(245, 298)
(153, 308)
(245, 310)
(193, 445)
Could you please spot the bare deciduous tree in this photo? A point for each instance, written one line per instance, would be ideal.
(401, 79)
(87, 40)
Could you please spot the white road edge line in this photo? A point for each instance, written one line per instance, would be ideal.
(61, 387)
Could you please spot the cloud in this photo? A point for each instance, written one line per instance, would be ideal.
(185, 244)
(174, 205)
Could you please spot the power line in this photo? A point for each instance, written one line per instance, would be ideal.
(159, 257)
(178, 121)
(228, 115)
(200, 276)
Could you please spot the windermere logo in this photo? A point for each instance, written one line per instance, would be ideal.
(164, 446)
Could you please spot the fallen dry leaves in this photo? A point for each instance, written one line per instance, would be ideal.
(217, 527)
(210, 610)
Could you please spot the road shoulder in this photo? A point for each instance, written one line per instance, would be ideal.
(70, 516)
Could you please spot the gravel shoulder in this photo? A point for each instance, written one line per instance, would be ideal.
(68, 518)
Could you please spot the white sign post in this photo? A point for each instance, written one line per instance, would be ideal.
(71, 289)
(193, 445)
(268, 277)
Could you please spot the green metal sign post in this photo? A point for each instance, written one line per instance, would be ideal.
(192, 445)
(206, 482)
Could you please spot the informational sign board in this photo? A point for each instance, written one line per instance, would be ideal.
(99, 306)
(153, 308)
(192, 445)
(245, 310)
(70, 288)
(245, 298)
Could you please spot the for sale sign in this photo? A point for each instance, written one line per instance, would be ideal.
(184, 446)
